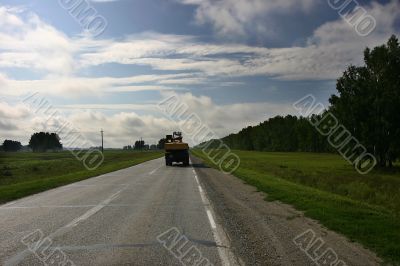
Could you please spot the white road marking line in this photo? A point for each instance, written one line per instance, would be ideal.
(152, 172)
(94, 210)
(62, 206)
(211, 218)
(8, 204)
(197, 180)
(15, 260)
(203, 198)
(224, 253)
(97, 185)
(45, 206)
(65, 187)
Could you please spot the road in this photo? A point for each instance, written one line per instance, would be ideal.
(115, 219)
(150, 214)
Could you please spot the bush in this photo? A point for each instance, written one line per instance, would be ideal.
(11, 145)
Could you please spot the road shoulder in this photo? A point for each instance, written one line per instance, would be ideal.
(263, 233)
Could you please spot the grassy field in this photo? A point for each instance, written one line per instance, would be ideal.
(365, 208)
(23, 174)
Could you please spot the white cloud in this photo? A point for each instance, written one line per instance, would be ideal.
(8, 19)
(333, 46)
(233, 18)
(103, 1)
(30, 43)
(10, 118)
(124, 127)
(228, 118)
(118, 107)
(8, 111)
(78, 87)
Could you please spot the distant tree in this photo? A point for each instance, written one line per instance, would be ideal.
(11, 146)
(43, 141)
(369, 100)
(367, 104)
(153, 147)
(279, 133)
(161, 144)
(139, 145)
(128, 147)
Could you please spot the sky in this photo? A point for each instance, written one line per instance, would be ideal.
(234, 63)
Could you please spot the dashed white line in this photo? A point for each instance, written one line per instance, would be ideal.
(222, 243)
(211, 218)
(155, 170)
(97, 185)
(22, 255)
(8, 204)
(94, 210)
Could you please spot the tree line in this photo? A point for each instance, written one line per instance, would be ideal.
(286, 134)
(11, 146)
(367, 103)
(39, 142)
(141, 145)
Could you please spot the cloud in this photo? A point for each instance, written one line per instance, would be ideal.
(11, 117)
(228, 118)
(124, 127)
(332, 47)
(118, 107)
(8, 19)
(71, 87)
(60, 60)
(8, 111)
(103, 1)
(6, 125)
(239, 18)
(28, 42)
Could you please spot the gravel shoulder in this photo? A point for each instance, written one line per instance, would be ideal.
(263, 232)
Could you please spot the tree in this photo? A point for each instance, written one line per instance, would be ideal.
(129, 147)
(161, 144)
(369, 100)
(43, 141)
(279, 133)
(11, 145)
(139, 145)
(153, 147)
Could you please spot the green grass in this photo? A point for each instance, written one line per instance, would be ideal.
(365, 208)
(23, 173)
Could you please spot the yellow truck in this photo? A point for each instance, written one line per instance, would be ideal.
(176, 150)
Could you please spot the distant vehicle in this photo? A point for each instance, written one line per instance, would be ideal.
(176, 150)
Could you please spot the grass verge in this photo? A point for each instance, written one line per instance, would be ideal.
(310, 183)
(23, 174)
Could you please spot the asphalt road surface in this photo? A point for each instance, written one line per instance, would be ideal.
(115, 219)
(151, 214)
